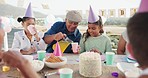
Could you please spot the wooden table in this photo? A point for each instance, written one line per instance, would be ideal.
(73, 64)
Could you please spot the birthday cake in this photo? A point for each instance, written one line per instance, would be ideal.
(90, 64)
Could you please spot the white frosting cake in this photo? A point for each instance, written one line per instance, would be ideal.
(90, 64)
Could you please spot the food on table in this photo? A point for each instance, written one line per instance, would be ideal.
(37, 65)
(53, 59)
(90, 64)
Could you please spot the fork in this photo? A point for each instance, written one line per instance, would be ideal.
(48, 74)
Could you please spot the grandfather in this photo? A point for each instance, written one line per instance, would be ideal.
(60, 30)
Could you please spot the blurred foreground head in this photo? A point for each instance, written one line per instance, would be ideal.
(137, 29)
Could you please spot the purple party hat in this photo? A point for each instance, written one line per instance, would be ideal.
(29, 12)
(92, 17)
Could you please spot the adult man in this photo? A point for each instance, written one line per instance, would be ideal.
(60, 30)
(137, 29)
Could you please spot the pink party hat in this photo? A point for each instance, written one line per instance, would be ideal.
(92, 17)
(57, 50)
(143, 6)
(29, 12)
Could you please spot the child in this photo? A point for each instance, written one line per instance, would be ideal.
(93, 39)
(137, 29)
(26, 41)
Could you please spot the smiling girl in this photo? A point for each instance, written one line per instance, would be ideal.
(93, 40)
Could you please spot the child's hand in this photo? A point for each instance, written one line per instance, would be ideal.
(32, 50)
(95, 50)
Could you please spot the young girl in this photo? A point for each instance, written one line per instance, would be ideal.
(24, 40)
(93, 40)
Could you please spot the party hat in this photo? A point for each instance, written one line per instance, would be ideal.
(92, 17)
(57, 50)
(143, 6)
(29, 12)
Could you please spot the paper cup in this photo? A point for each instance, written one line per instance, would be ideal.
(66, 73)
(74, 47)
(31, 29)
(110, 58)
(41, 55)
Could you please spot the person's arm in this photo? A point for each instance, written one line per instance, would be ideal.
(121, 45)
(15, 59)
(82, 45)
(30, 51)
(49, 38)
(144, 76)
(27, 70)
(41, 45)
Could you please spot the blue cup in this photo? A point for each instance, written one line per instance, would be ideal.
(41, 55)
(66, 73)
(110, 58)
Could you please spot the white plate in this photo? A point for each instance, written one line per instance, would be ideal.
(57, 64)
(37, 65)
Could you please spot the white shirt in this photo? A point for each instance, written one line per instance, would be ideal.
(21, 41)
(125, 37)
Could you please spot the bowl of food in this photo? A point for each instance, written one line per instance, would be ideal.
(55, 61)
(37, 65)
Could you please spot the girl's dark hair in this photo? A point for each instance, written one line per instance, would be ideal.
(99, 23)
(24, 19)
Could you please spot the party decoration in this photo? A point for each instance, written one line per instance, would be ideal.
(57, 50)
(92, 17)
(29, 12)
(143, 6)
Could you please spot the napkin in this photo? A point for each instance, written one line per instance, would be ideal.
(129, 69)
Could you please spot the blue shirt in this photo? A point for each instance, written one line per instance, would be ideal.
(61, 27)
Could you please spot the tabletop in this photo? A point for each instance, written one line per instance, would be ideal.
(72, 62)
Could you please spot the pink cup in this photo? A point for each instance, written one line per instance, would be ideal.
(31, 29)
(74, 47)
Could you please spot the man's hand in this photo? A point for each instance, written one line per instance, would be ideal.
(59, 36)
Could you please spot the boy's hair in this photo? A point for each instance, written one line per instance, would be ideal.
(99, 23)
(137, 29)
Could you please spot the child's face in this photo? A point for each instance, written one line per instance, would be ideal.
(93, 30)
(27, 23)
